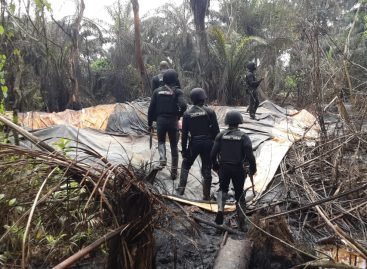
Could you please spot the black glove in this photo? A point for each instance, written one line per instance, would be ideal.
(216, 167)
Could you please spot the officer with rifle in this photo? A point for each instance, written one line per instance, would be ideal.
(252, 89)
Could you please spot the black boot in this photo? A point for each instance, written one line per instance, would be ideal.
(180, 190)
(162, 154)
(221, 200)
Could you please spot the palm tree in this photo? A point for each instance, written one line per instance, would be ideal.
(138, 51)
(199, 9)
(74, 56)
(230, 56)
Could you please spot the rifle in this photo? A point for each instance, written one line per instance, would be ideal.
(246, 168)
(252, 183)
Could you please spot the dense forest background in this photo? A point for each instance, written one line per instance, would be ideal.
(307, 51)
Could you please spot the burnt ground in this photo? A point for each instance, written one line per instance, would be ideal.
(184, 244)
(187, 245)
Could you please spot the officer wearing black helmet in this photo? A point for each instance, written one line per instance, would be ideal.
(166, 107)
(232, 148)
(200, 127)
(252, 89)
(158, 79)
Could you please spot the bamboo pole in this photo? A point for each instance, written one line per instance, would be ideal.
(347, 239)
(35, 140)
(81, 253)
(328, 199)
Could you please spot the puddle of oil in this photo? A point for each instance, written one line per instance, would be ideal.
(344, 255)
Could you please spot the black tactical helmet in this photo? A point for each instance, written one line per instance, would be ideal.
(170, 77)
(197, 95)
(233, 117)
(251, 66)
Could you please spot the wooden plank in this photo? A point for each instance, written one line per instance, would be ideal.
(208, 206)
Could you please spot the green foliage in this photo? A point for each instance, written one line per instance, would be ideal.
(40, 4)
(100, 64)
(62, 145)
(290, 82)
(230, 55)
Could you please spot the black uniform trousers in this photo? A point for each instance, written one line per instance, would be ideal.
(253, 101)
(202, 148)
(168, 125)
(234, 172)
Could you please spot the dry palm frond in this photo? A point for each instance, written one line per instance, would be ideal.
(74, 202)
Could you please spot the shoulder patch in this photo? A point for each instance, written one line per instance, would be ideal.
(165, 93)
(197, 114)
(232, 137)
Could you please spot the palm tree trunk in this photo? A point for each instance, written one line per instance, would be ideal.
(74, 57)
(199, 8)
(138, 50)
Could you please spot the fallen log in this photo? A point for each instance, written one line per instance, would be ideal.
(235, 254)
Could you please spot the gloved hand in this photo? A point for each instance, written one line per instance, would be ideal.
(150, 129)
(216, 167)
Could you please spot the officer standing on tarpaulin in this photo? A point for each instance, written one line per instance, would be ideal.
(252, 89)
(200, 127)
(232, 148)
(157, 80)
(166, 107)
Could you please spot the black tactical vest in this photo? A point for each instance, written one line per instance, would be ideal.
(166, 101)
(231, 147)
(199, 123)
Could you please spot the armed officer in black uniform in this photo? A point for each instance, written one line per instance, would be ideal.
(200, 127)
(232, 148)
(166, 107)
(252, 89)
(157, 80)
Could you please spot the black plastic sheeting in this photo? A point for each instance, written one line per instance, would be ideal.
(126, 138)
